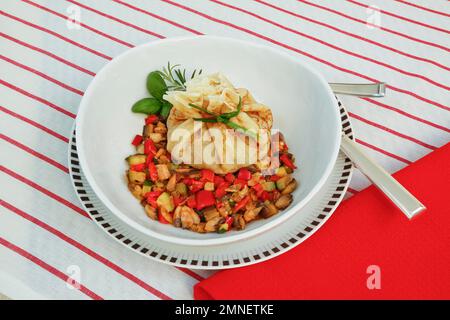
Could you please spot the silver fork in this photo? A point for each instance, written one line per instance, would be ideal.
(398, 194)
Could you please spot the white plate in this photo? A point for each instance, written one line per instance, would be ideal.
(256, 249)
(304, 110)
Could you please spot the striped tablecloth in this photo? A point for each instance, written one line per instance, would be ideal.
(50, 50)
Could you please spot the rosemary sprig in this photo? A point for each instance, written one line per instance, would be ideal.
(175, 77)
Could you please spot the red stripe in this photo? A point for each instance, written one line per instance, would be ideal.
(35, 124)
(191, 273)
(86, 250)
(117, 20)
(39, 99)
(368, 145)
(35, 153)
(423, 8)
(381, 28)
(69, 205)
(49, 268)
(42, 75)
(354, 35)
(383, 105)
(401, 135)
(51, 55)
(400, 17)
(438, 84)
(57, 35)
(44, 191)
(158, 17)
(303, 53)
(81, 24)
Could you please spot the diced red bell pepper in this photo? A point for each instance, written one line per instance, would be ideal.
(152, 172)
(241, 204)
(149, 147)
(258, 189)
(151, 119)
(274, 178)
(177, 200)
(204, 198)
(188, 181)
(162, 219)
(196, 186)
(218, 180)
(191, 202)
(151, 197)
(137, 140)
(244, 174)
(287, 162)
(229, 177)
(219, 204)
(220, 190)
(137, 167)
(241, 182)
(229, 220)
(207, 175)
(266, 196)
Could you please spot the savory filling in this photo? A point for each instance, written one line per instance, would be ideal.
(205, 197)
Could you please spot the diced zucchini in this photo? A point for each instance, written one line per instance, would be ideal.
(283, 182)
(281, 171)
(209, 186)
(148, 183)
(146, 189)
(269, 186)
(181, 188)
(165, 201)
(136, 159)
(223, 228)
(136, 177)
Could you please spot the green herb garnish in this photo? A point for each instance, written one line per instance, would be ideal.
(147, 106)
(176, 77)
(224, 118)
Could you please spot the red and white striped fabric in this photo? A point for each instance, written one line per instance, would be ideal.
(47, 61)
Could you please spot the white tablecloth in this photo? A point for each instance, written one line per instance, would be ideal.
(48, 59)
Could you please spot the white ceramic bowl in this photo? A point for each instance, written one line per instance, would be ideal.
(303, 106)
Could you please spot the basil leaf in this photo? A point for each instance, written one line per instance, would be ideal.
(156, 85)
(165, 110)
(147, 106)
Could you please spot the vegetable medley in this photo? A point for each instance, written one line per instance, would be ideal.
(199, 199)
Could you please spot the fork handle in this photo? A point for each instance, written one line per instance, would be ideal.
(374, 90)
(401, 197)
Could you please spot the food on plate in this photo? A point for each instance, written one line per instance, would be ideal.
(228, 187)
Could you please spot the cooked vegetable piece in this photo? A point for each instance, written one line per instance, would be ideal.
(166, 215)
(269, 186)
(165, 201)
(204, 199)
(210, 213)
(146, 189)
(163, 171)
(223, 228)
(290, 187)
(136, 159)
(147, 106)
(283, 182)
(151, 212)
(181, 188)
(171, 184)
(209, 186)
(137, 140)
(284, 201)
(136, 177)
(269, 209)
(281, 171)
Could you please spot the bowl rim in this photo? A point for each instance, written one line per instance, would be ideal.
(82, 111)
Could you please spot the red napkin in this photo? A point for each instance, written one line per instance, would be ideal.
(366, 240)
